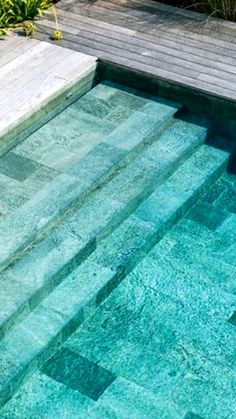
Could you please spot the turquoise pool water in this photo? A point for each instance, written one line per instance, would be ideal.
(126, 305)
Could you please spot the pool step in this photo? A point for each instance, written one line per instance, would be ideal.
(206, 255)
(39, 335)
(46, 209)
(44, 266)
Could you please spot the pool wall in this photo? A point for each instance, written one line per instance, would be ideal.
(220, 113)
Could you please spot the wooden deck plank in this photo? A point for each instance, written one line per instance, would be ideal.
(164, 57)
(188, 55)
(150, 15)
(115, 47)
(169, 23)
(160, 73)
(199, 51)
(183, 37)
(169, 43)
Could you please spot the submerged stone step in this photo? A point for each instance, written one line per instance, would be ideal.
(34, 276)
(40, 214)
(37, 337)
(121, 399)
(210, 255)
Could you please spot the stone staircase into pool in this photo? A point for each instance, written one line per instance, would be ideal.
(101, 192)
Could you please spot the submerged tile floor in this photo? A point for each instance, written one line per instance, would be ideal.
(161, 342)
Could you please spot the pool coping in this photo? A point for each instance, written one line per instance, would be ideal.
(69, 76)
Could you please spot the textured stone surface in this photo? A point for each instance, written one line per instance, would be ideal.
(53, 398)
(17, 167)
(35, 76)
(73, 148)
(146, 285)
(78, 373)
(80, 292)
(100, 160)
(232, 319)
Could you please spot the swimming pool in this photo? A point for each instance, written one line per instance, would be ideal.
(118, 294)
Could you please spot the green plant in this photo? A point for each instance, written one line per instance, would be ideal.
(13, 12)
(226, 9)
(29, 28)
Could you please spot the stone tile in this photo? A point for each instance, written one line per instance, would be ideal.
(207, 270)
(148, 171)
(40, 178)
(139, 126)
(36, 275)
(212, 195)
(214, 191)
(177, 136)
(119, 114)
(78, 373)
(125, 399)
(232, 319)
(124, 98)
(26, 344)
(187, 286)
(9, 371)
(130, 313)
(187, 229)
(93, 105)
(189, 233)
(77, 293)
(134, 183)
(145, 337)
(103, 90)
(57, 158)
(139, 308)
(5, 366)
(204, 388)
(227, 200)
(13, 194)
(132, 360)
(201, 246)
(37, 212)
(97, 162)
(207, 215)
(126, 245)
(202, 258)
(61, 137)
(17, 167)
(160, 209)
(12, 300)
(227, 228)
(108, 212)
(163, 247)
(191, 415)
(213, 156)
(43, 397)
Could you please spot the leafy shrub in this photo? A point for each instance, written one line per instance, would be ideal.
(225, 9)
(13, 12)
(222, 8)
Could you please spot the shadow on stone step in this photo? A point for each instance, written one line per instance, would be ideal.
(216, 137)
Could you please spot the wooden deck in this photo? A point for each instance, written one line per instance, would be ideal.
(174, 45)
